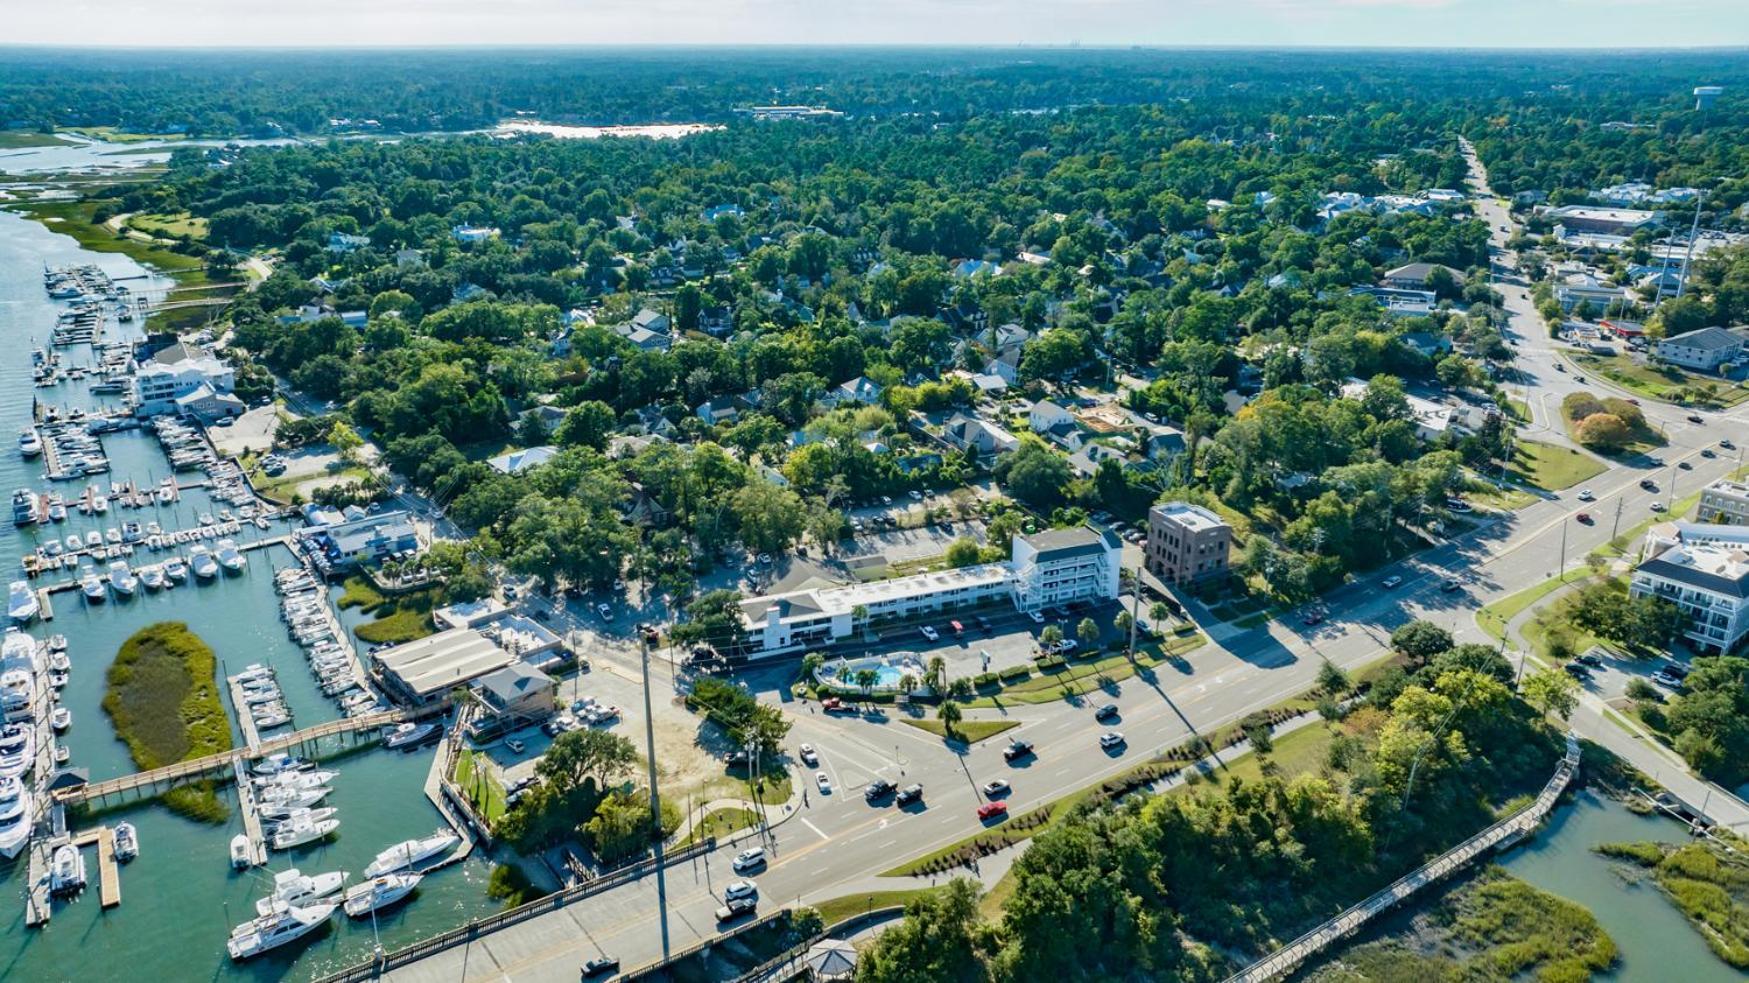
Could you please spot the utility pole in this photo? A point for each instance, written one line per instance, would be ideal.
(1135, 608)
(1613, 526)
(1562, 572)
(650, 753)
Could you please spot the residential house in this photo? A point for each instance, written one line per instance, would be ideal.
(1587, 288)
(970, 433)
(1006, 365)
(1047, 417)
(1413, 276)
(516, 462)
(858, 390)
(341, 242)
(1709, 582)
(468, 235)
(721, 409)
(1086, 461)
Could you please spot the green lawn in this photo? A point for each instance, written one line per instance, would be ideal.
(1494, 618)
(476, 778)
(1552, 468)
(1298, 753)
(170, 226)
(1660, 383)
(399, 617)
(970, 731)
(77, 219)
(1081, 678)
(838, 909)
(110, 134)
(20, 139)
(722, 822)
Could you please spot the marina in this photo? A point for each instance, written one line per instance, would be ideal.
(156, 484)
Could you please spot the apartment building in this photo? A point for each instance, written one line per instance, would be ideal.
(1709, 582)
(1724, 502)
(1186, 543)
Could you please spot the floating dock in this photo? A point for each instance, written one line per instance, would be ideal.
(251, 816)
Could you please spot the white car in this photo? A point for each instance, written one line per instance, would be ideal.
(605, 611)
(748, 860)
(1392, 581)
(1037, 619)
(930, 633)
(810, 757)
(1111, 739)
(824, 783)
(1585, 495)
(741, 889)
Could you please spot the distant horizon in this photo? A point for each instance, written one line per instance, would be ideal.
(1492, 25)
(813, 47)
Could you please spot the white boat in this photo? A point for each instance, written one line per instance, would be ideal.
(59, 662)
(166, 492)
(176, 570)
(268, 721)
(17, 750)
(380, 892)
(240, 851)
(24, 505)
(30, 443)
(298, 833)
(407, 854)
(409, 735)
(286, 923)
(63, 754)
(122, 579)
(61, 719)
(228, 555)
(276, 764)
(67, 873)
(293, 887)
(15, 808)
(127, 841)
(92, 585)
(57, 512)
(152, 578)
(17, 691)
(286, 808)
(21, 602)
(205, 567)
(74, 543)
(206, 518)
(296, 781)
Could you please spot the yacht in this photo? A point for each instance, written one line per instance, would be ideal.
(275, 764)
(296, 800)
(67, 875)
(286, 923)
(404, 855)
(380, 892)
(127, 842)
(92, 585)
(175, 570)
(17, 750)
(409, 735)
(296, 781)
(30, 443)
(293, 887)
(152, 577)
(205, 567)
(17, 691)
(21, 602)
(15, 803)
(240, 851)
(24, 502)
(278, 717)
(59, 662)
(122, 579)
(206, 518)
(229, 556)
(58, 512)
(61, 719)
(301, 832)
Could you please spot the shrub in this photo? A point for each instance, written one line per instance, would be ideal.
(1013, 673)
(984, 679)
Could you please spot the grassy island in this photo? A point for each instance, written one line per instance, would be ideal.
(164, 702)
(1709, 886)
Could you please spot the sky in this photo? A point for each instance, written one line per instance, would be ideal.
(1247, 23)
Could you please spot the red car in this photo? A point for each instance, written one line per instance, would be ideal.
(992, 810)
(1585, 517)
(832, 703)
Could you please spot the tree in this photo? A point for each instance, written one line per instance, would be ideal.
(584, 754)
(1087, 631)
(811, 664)
(1604, 432)
(1552, 692)
(621, 825)
(588, 424)
(950, 716)
(1158, 614)
(865, 680)
(1051, 637)
(1421, 640)
(940, 938)
(1035, 474)
(770, 516)
(1331, 678)
(964, 552)
(346, 441)
(1123, 622)
(936, 673)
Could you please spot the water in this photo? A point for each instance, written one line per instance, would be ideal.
(180, 897)
(1656, 943)
(81, 154)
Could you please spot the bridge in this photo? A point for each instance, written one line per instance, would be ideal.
(213, 764)
(1286, 959)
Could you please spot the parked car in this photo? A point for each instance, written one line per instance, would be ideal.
(1392, 581)
(750, 859)
(877, 789)
(1037, 618)
(992, 810)
(930, 633)
(908, 795)
(596, 967)
(832, 704)
(983, 623)
(1576, 670)
(515, 746)
(1066, 646)
(1589, 660)
(995, 788)
(1017, 749)
(1313, 617)
(810, 757)
(1111, 739)
(605, 611)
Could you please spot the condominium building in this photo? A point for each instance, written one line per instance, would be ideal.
(1724, 502)
(172, 374)
(1709, 581)
(1186, 542)
(1058, 566)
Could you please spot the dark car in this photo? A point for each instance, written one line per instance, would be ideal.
(908, 795)
(1313, 617)
(736, 757)
(1451, 586)
(1648, 484)
(596, 967)
(1017, 750)
(1107, 712)
(1576, 670)
(878, 789)
(983, 623)
(1695, 418)
(736, 908)
(1589, 660)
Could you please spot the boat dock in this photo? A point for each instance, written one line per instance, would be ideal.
(36, 898)
(251, 816)
(38, 905)
(245, 719)
(109, 872)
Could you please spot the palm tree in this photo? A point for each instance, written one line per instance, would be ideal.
(1087, 631)
(949, 715)
(1158, 615)
(937, 673)
(1123, 623)
(811, 664)
(859, 617)
(866, 678)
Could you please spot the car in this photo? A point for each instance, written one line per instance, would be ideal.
(832, 704)
(1667, 679)
(605, 611)
(1727, 445)
(1111, 739)
(810, 757)
(510, 592)
(823, 783)
(1313, 617)
(930, 633)
(908, 795)
(1684, 465)
(1559, 367)
(992, 810)
(1017, 749)
(1633, 401)
(1576, 670)
(1107, 712)
(1392, 581)
(1037, 618)
(958, 629)
(596, 967)
(983, 623)
(1657, 506)
(1457, 505)
(741, 889)
(1585, 495)
(553, 727)
(736, 757)
(886, 499)
(1676, 669)
(515, 746)
(1648, 484)
(1696, 418)
(1589, 660)
(877, 789)
(1451, 586)
(737, 908)
(1707, 452)
(749, 859)
(916, 496)
(1066, 646)
(995, 788)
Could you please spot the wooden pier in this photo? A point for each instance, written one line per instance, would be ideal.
(245, 719)
(251, 814)
(109, 872)
(36, 898)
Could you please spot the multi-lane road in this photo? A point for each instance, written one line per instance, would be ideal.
(836, 844)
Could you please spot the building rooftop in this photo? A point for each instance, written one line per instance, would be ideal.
(1706, 339)
(1060, 544)
(1190, 515)
(842, 600)
(432, 665)
(1718, 569)
(508, 686)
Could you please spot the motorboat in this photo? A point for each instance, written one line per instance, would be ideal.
(240, 851)
(296, 780)
(74, 543)
(92, 585)
(282, 924)
(17, 750)
(61, 719)
(57, 512)
(30, 443)
(122, 579)
(206, 518)
(127, 841)
(15, 809)
(300, 833)
(152, 578)
(199, 557)
(411, 852)
(63, 754)
(24, 506)
(276, 764)
(229, 556)
(17, 691)
(268, 721)
(67, 872)
(290, 800)
(57, 643)
(166, 492)
(93, 539)
(380, 892)
(409, 735)
(176, 570)
(21, 602)
(59, 662)
(293, 887)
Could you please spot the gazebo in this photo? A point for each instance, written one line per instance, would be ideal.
(833, 959)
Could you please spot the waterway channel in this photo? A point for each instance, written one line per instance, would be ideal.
(180, 897)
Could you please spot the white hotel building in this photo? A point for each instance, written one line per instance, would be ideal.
(1704, 570)
(1047, 568)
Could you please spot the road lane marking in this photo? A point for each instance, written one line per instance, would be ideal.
(811, 826)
